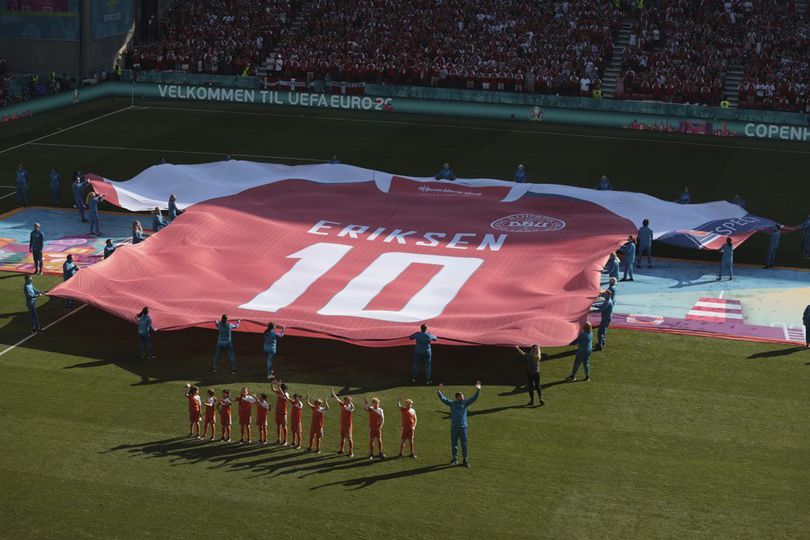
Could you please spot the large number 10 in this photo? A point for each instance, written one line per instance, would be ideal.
(317, 259)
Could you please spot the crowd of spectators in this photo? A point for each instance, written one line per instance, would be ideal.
(228, 37)
(679, 51)
(776, 54)
(514, 45)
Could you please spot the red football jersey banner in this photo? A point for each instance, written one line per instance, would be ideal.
(350, 261)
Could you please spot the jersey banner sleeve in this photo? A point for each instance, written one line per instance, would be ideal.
(364, 256)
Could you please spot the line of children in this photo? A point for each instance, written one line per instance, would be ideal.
(246, 400)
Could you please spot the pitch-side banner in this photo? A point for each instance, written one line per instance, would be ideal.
(348, 253)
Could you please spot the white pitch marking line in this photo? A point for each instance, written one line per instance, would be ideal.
(165, 151)
(8, 194)
(58, 131)
(26, 338)
(482, 128)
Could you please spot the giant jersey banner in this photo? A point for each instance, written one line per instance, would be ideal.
(365, 256)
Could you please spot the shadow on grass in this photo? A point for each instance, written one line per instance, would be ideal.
(777, 353)
(272, 460)
(366, 481)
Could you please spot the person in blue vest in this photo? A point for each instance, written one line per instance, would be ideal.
(31, 293)
(604, 184)
(629, 249)
(738, 200)
(806, 322)
(157, 220)
(94, 201)
(584, 343)
(520, 174)
(109, 248)
(612, 285)
(645, 238)
(422, 353)
(685, 197)
(727, 260)
(78, 186)
(145, 331)
(607, 316)
(334, 160)
(445, 173)
(173, 210)
(36, 244)
(21, 184)
(137, 232)
(774, 235)
(805, 228)
(69, 270)
(458, 421)
(225, 342)
(531, 361)
(612, 267)
(55, 186)
(271, 337)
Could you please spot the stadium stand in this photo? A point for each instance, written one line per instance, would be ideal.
(678, 51)
(227, 37)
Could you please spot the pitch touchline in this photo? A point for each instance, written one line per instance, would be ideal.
(479, 128)
(32, 141)
(165, 151)
(26, 338)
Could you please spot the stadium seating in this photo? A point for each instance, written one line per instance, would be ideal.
(228, 37)
(512, 45)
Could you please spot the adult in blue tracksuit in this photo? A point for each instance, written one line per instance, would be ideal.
(36, 244)
(21, 184)
(806, 322)
(613, 265)
(69, 270)
(611, 288)
(225, 342)
(584, 343)
(79, 183)
(727, 260)
(445, 173)
(422, 353)
(145, 332)
(271, 337)
(55, 186)
(645, 238)
(334, 160)
(93, 203)
(685, 197)
(520, 174)
(805, 228)
(173, 210)
(604, 184)
(157, 220)
(774, 235)
(458, 421)
(31, 294)
(607, 315)
(109, 248)
(629, 250)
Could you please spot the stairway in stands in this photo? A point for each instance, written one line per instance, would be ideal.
(734, 77)
(613, 70)
(294, 29)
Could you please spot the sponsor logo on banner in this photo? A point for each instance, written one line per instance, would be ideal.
(774, 131)
(528, 223)
(536, 114)
(427, 190)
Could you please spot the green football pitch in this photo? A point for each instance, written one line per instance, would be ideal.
(674, 437)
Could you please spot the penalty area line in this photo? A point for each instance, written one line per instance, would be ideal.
(58, 131)
(26, 338)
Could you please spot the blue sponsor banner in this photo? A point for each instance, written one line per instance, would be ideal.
(111, 17)
(40, 19)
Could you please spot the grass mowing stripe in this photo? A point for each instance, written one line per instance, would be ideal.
(546, 133)
(166, 151)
